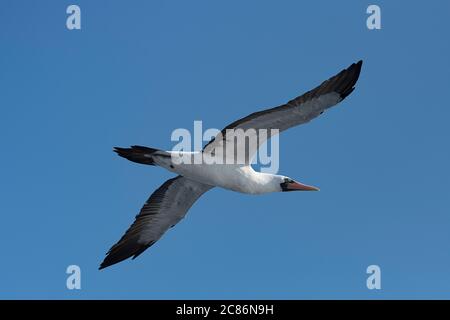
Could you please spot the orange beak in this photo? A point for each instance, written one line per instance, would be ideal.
(301, 187)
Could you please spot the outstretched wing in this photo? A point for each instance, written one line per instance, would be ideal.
(297, 111)
(165, 208)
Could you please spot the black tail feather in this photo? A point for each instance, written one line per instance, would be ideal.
(137, 154)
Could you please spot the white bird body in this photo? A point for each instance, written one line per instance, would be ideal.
(171, 201)
(236, 177)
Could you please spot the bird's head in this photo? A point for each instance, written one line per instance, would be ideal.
(288, 184)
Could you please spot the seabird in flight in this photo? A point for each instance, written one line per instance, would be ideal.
(171, 201)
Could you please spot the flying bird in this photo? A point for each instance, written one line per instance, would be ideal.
(171, 201)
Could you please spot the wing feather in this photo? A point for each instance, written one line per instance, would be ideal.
(165, 208)
(297, 111)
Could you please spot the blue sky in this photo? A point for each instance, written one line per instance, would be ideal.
(136, 71)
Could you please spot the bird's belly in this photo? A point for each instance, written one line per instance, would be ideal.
(221, 175)
(228, 176)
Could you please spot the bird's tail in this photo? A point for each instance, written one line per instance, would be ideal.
(139, 154)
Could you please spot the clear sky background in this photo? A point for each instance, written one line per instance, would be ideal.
(139, 69)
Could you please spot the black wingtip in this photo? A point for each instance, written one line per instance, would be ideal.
(122, 251)
(108, 262)
(351, 76)
(105, 263)
(141, 250)
(358, 67)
